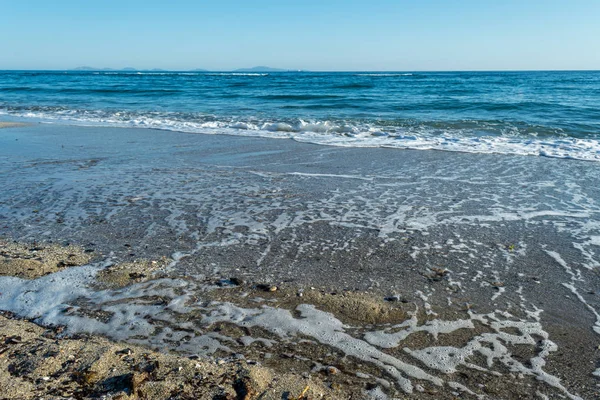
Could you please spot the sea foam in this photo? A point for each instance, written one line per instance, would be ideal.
(467, 138)
(128, 314)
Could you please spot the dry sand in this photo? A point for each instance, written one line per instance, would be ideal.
(36, 362)
(33, 260)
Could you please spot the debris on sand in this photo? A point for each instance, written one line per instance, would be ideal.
(437, 274)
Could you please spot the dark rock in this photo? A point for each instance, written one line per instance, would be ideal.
(236, 281)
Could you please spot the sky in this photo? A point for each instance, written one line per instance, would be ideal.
(327, 35)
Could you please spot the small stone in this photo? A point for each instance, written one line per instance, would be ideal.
(332, 370)
(13, 340)
(236, 281)
(392, 298)
(125, 352)
(266, 288)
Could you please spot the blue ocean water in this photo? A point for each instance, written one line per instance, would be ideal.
(555, 114)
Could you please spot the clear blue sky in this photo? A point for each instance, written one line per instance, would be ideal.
(302, 34)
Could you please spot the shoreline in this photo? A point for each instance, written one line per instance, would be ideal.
(444, 234)
(327, 133)
(120, 369)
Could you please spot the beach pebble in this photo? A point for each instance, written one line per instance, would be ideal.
(331, 370)
(267, 288)
(236, 281)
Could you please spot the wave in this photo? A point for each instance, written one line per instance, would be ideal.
(490, 137)
(299, 96)
(384, 74)
(236, 74)
(87, 91)
(355, 86)
(139, 73)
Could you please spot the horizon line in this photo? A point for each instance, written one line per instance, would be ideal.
(283, 70)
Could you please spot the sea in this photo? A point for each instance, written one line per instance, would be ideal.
(538, 113)
(428, 234)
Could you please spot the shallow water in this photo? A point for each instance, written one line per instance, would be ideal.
(517, 235)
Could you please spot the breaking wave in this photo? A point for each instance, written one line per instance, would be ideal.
(472, 136)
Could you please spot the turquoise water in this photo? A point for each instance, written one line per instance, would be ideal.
(555, 114)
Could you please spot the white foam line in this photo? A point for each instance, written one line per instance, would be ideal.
(557, 257)
(335, 134)
(574, 290)
(387, 340)
(448, 358)
(363, 178)
(463, 388)
(571, 286)
(499, 291)
(327, 330)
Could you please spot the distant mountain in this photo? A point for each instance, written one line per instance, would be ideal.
(85, 69)
(199, 70)
(129, 69)
(260, 69)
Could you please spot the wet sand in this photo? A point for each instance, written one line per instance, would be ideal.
(372, 238)
(11, 124)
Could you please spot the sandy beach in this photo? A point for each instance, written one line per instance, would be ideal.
(162, 265)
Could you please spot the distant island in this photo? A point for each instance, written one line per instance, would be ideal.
(85, 68)
(260, 69)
